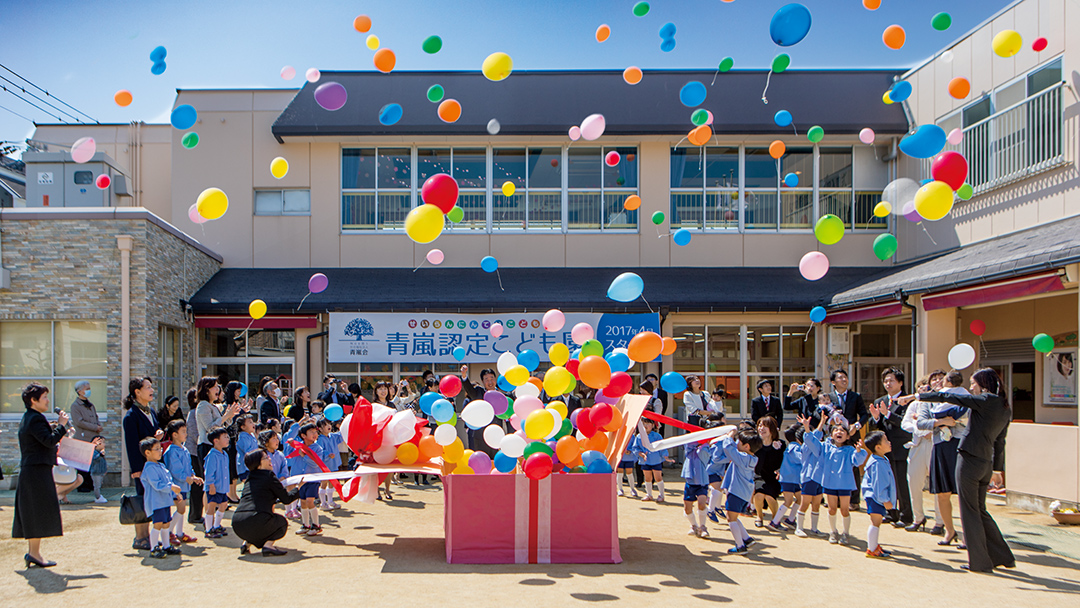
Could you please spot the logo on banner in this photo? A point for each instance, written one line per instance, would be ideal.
(358, 328)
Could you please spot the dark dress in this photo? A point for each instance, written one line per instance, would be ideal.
(943, 467)
(768, 464)
(138, 425)
(255, 520)
(37, 510)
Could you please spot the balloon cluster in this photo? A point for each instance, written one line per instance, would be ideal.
(590, 129)
(211, 205)
(377, 433)
(425, 223)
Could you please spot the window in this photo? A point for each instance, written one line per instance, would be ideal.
(596, 192)
(377, 188)
(83, 178)
(834, 185)
(55, 353)
(248, 355)
(170, 350)
(704, 188)
(283, 202)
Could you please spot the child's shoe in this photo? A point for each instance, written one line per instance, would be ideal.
(173, 541)
(172, 550)
(158, 552)
(303, 530)
(101, 500)
(791, 523)
(712, 516)
(184, 538)
(648, 499)
(633, 493)
(738, 549)
(833, 538)
(221, 530)
(750, 542)
(843, 539)
(660, 498)
(292, 514)
(703, 532)
(775, 527)
(801, 533)
(314, 531)
(693, 531)
(621, 494)
(879, 553)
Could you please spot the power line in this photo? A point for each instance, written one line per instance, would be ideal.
(16, 113)
(47, 94)
(23, 89)
(32, 103)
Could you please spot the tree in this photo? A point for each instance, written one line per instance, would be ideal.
(358, 328)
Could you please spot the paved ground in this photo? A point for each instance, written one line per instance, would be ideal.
(395, 552)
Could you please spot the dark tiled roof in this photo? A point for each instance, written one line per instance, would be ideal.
(549, 102)
(471, 289)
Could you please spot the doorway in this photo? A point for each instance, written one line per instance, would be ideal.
(1019, 377)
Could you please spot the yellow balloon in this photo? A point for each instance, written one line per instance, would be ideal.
(279, 167)
(497, 66)
(212, 203)
(558, 406)
(463, 469)
(257, 309)
(882, 209)
(559, 354)
(454, 451)
(517, 375)
(372, 42)
(407, 453)
(424, 223)
(934, 201)
(539, 424)
(887, 99)
(508, 188)
(1007, 43)
(556, 381)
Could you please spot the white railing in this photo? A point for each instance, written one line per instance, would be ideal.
(1014, 143)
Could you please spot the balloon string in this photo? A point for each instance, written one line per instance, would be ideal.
(500, 279)
(927, 233)
(794, 129)
(714, 77)
(679, 142)
(767, 79)
(807, 336)
(421, 264)
(301, 302)
(647, 303)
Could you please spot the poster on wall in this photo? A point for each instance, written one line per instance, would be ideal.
(1059, 378)
(378, 337)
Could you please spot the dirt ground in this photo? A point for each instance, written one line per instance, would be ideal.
(394, 552)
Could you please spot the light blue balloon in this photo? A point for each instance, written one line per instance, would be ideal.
(390, 114)
(682, 237)
(693, 94)
(489, 264)
(504, 463)
(626, 287)
(183, 117)
(442, 410)
(590, 456)
(599, 466)
(529, 359)
(334, 412)
(618, 362)
(667, 30)
(790, 24)
(782, 118)
(925, 142)
(668, 45)
(243, 390)
(575, 354)
(158, 68)
(900, 91)
(817, 314)
(673, 382)
(504, 384)
(158, 54)
(459, 353)
(426, 401)
(791, 180)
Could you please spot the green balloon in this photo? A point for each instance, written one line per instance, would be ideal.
(781, 63)
(829, 229)
(641, 9)
(965, 192)
(435, 93)
(566, 429)
(884, 246)
(456, 215)
(699, 117)
(658, 218)
(509, 410)
(1043, 343)
(571, 387)
(432, 45)
(592, 347)
(580, 469)
(941, 21)
(726, 64)
(537, 447)
(190, 140)
(815, 134)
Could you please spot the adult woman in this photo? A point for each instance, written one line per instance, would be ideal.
(84, 418)
(255, 521)
(381, 394)
(922, 447)
(169, 412)
(402, 396)
(233, 397)
(947, 436)
(195, 499)
(207, 414)
(696, 403)
(139, 423)
(37, 511)
(981, 458)
(807, 405)
(300, 404)
(770, 457)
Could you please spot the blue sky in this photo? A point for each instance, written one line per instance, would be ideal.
(83, 52)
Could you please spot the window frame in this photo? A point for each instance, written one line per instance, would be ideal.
(281, 212)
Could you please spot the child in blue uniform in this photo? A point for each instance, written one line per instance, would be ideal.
(269, 443)
(245, 442)
(811, 475)
(790, 476)
(839, 459)
(739, 447)
(157, 498)
(295, 464)
(695, 474)
(309, 514)
(652, 461)
(331, 458)
(216, 482)
(178, 461)
(878, 488)
(718, 465)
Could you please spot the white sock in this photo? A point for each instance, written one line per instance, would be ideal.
(714, 498)
(314, 518)
(218, 517)
(690, 518)
(177, 524)
(736, 533)
(661, 484)
(779, 514)
(832, 522)
(872, 537)
(701, 514)
(648, 489)
(800, 517)
(305, 518)
(814, 516)
(847, 524)
(742, 529)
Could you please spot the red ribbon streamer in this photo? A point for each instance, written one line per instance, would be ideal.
(299, 448)
(671, 421)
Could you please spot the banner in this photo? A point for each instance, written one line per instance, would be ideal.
(384, 337)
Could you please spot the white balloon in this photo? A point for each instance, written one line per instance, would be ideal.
(558, 423)
(344, 428)
(506, 362)
(478, 413)
(947, 56)
(493, 435)
(445, 434)
(962, 355)
(493, 127)
(513, 446)
(402, 427)
(385, 454)
(527, 390)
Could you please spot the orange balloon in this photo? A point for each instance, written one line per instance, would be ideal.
(894, 37)
(362, 23)
(567, 449)
(429, 448)
(700, 135)
(576, 463)
(602, 33)
(598, 442)
(616, 420)
(538, 383)
(385, 60)
(632, 202)
(594, 372)
(959, 87)
(777, 149)
(632, 75)
(871, 5)
(449, 110)
(669, 346)
(644, 347)
(122, 98)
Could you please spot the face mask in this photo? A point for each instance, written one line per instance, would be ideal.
(87, 393)
(277, 392)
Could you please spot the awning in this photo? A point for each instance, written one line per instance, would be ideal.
(866, 313)
(239, 322)
(994, 292)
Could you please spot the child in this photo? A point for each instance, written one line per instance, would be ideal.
(811, 474)
(98, 469)
(158, 490)
(652, 462)
(331, 458)
(739, 447)
(718, 466)
(178, 462)
(626, 467)
(790, 474)
(839, 459)
(216, 476)
(269, 443)
(695, 474)
(295, 464)
(309, 434)
(878, 488)
(245, 442)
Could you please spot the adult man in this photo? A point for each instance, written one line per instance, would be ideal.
(887, 415)
(473, 391)
(851, 405)
(766, 404)
(334, 392)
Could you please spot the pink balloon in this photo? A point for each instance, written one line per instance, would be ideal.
(709, 120)
(516, 423)
(575, 133)
(435, 256)
(582, 333)
(83, 150)
(955, 136)
(612, 158)
(313, 75)
(288, 72)
(193, 215)
(593, 126)
(813, 265)
(554, 320)
(496, 329)
(526, 405)
(866, 136)
(318, 283)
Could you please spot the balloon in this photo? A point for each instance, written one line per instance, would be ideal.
(961, 356)
(559, 354)
(1007, 43)
(829, 229)
(450, 385)
(693, 94)
(955, 136)
(726, 64)
(815, 134)
(632, 75)
(959, 87)
(508, 188)
(882, 209)
(885, 246)
(640, 10)
(385, 454)
(910, 213)
(102, 181)
(782, 118)
(517, 375)
(431, 45)
(458, 353)
(312, 75)
(496, 330)
(449, 110)
(442, 410)
(424, 223)
(122, 98)
(817, 314)
(667, 31)
(557, 380)
(435, 93)
(700, 135)
(539, 424)
(183, 117)
(925, 142)
(965, 192)
(599, 467)
(658, 218)
(493, 127)
(385, 60)
(590, 456)
(900, 192)
(947, 56)
(1039, 45)
(538, 447)
(554, 320)
(1043, 343)
(479, 462)
(594, 372)
(645, 346)
(440, 190)
(158, 54)
(934, 201)
(949, 167)
(489, 264)
(212, 203)
(813, 265)
(620, 384)
(591, 348)
(513, 445)
(429, 448)
(526, 405)
(626, 287)
(866, 136)
(334, 412)
(189, 140)
(318, 283)
(478, 413)
(504, 463)
(574, 133)
(538, 466)
(158, 68)
(871, 4)
(529, 359)
(894, 37)
(279, 167)
(362, 24)
(506, 362)
(600, 414)
(790, 24)
(497, 66)
(390, 114)
(331, 95)
(791, 180)
(900, 91)
(257, 309)
(435, 257)
(670, 345)
(426, 401)
(372, 42)
(886, 99)
(777, 149)
(408, 453)
(83, 150)
(499, 402)
(681, 237)
(673, 382)
(455, 451)
(780, 63)
(602, 33)
(582, 333)
(612, 158)
(618, 362)
(978, 327)
(493, 435)
(567, 449)
(593, 127)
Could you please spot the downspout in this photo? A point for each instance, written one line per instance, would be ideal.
(124, 244)
(308, 361)
(903, 297)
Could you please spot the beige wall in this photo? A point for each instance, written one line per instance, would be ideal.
(1043, 460)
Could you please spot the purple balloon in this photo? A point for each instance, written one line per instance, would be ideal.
(600, 397)
(318, 283)
(331, 96)
(480, 463)
(498, 401)
(910, 214)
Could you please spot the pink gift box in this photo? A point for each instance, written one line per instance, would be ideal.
(511, 519)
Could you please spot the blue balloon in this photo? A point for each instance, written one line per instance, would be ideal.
(504, 384)
(782, 118)
(900, 91)
(790, 24)
(626, 287)
(426, 401)
(459, 353)
(668, 45)
(489, 264)
(243, 390)
(575, 354)
(158, 54)
(618, 362)
(590, 456)
(504, 463)
(925, 142)
(817, 314)
(529, 359)
(334, 412)
(442, 410)
(693, 94)
(667, 30)
(184, 117)
(599, 466)
(673, 382)
(791, 180)
(390, 114)
(158, 68)
(682, 237)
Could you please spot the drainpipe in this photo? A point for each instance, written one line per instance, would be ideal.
(124, 243)
(309, 338)
(903, 297)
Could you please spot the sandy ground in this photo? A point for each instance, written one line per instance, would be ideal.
(393, 554)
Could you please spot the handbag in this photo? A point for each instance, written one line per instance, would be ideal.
(131, 511)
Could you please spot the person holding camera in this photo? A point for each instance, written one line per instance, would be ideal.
(37, 508)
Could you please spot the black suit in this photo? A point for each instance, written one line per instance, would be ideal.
(37, 511)
(331, 396)
(982, 451)
(269, 410)
(774, 407)
(890, 425)
(255, 520)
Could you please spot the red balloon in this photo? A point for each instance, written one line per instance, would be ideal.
(950, 167)
(440, 190)
(450, 386)
(978, 327)
(600, 415)
(1039, 45)
(584, 422)
(620, 384)
(538, 466)
(572, 367)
